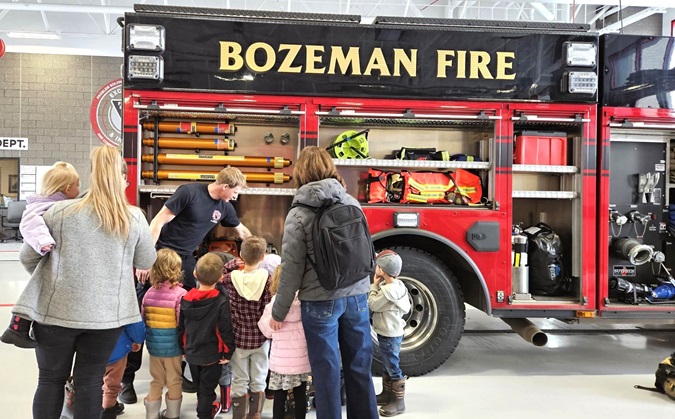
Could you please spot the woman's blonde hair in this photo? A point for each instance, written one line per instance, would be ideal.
(313, 164)
(106, 192)
(167, 268)
(58, 178)
(274, 281)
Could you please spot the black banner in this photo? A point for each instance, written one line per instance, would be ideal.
(361, 60)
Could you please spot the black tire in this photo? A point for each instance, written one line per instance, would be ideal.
(435, 323)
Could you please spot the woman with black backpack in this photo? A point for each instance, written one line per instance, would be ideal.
(334, 299)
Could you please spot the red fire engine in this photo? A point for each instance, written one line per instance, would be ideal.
(466, 142)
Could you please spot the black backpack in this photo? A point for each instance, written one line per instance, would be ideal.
(665, 378)
(343, 249)
(544, 257)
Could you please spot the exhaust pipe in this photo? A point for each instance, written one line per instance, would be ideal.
(527, 330)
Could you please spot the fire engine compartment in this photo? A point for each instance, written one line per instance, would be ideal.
(539, 193)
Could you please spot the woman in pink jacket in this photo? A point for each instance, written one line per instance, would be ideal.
(289, 364)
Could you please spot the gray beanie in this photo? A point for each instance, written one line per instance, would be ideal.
(390, 262)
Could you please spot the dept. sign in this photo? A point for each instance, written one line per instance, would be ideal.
(106, 113)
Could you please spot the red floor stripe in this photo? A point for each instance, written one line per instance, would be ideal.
(6, 305)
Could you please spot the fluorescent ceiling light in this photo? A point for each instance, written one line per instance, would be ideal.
(34, 35)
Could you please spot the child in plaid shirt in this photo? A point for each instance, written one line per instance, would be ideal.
(248, 290)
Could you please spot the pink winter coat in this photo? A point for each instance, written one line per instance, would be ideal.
(289, 347)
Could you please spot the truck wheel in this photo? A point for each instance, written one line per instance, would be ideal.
(436, 320)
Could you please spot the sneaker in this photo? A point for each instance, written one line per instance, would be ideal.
(215, 409)
(128, 394)
(17, 339)
(188, 386)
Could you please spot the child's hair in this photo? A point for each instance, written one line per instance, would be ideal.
(58, 178)
(253, 249)
(167, 268)
(209, 269)
(274, 282)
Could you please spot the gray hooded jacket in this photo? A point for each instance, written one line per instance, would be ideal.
(297, 272)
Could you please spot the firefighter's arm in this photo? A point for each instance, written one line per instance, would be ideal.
(163, 217)
(242, 231)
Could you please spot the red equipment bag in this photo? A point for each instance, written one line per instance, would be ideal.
(427, 187)
(377, 186)
(383, 186)
(467, 186)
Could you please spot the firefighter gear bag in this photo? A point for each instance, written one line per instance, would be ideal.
(665, 378)
(544, 255)
(468, 188)
(384, 186)
(343, 249)
(427, 187)
(407, 153)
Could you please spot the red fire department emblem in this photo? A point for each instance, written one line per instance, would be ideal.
(106, 113)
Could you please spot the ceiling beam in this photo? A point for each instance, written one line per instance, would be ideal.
(642, 14)
(66, 8)
(543, 10)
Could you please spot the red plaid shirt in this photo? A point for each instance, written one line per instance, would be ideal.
(245, 315)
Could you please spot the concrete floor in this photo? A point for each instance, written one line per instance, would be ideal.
(586, 370)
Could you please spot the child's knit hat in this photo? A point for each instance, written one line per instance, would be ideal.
(390, 262)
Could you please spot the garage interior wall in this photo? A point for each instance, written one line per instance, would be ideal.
(47, 99)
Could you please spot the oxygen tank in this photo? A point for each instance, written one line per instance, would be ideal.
(519, 269)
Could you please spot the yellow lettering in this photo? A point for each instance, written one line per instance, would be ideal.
(503, 65)
(286, 64)
(270, 57)
(377, 62)
(338, 57)
(444, 61)
(409, 63)
(314, 53)
(479, 63)
(230, 56)
(461, 64)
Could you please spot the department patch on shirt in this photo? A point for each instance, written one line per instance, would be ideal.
(216, 217)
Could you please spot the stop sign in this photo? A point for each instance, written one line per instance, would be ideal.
(2, 47)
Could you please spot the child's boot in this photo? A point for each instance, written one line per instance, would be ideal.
(240, 407)
(17, 333)
(397, 404)
(225, 399)
(384, 397)
(152, 408)
(257, 402)
(172, 408)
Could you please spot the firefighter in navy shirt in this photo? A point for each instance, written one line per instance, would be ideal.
(188, 216)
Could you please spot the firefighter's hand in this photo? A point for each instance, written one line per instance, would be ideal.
(142, 275)
(275, 325)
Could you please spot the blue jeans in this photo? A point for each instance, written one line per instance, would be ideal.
(337, 329)
(390, 348)
(55, 351)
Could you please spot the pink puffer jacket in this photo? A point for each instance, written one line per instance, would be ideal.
(289, 347)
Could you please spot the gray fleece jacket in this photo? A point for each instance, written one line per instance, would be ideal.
(389, 303)
(86, 281)
(297, 272)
